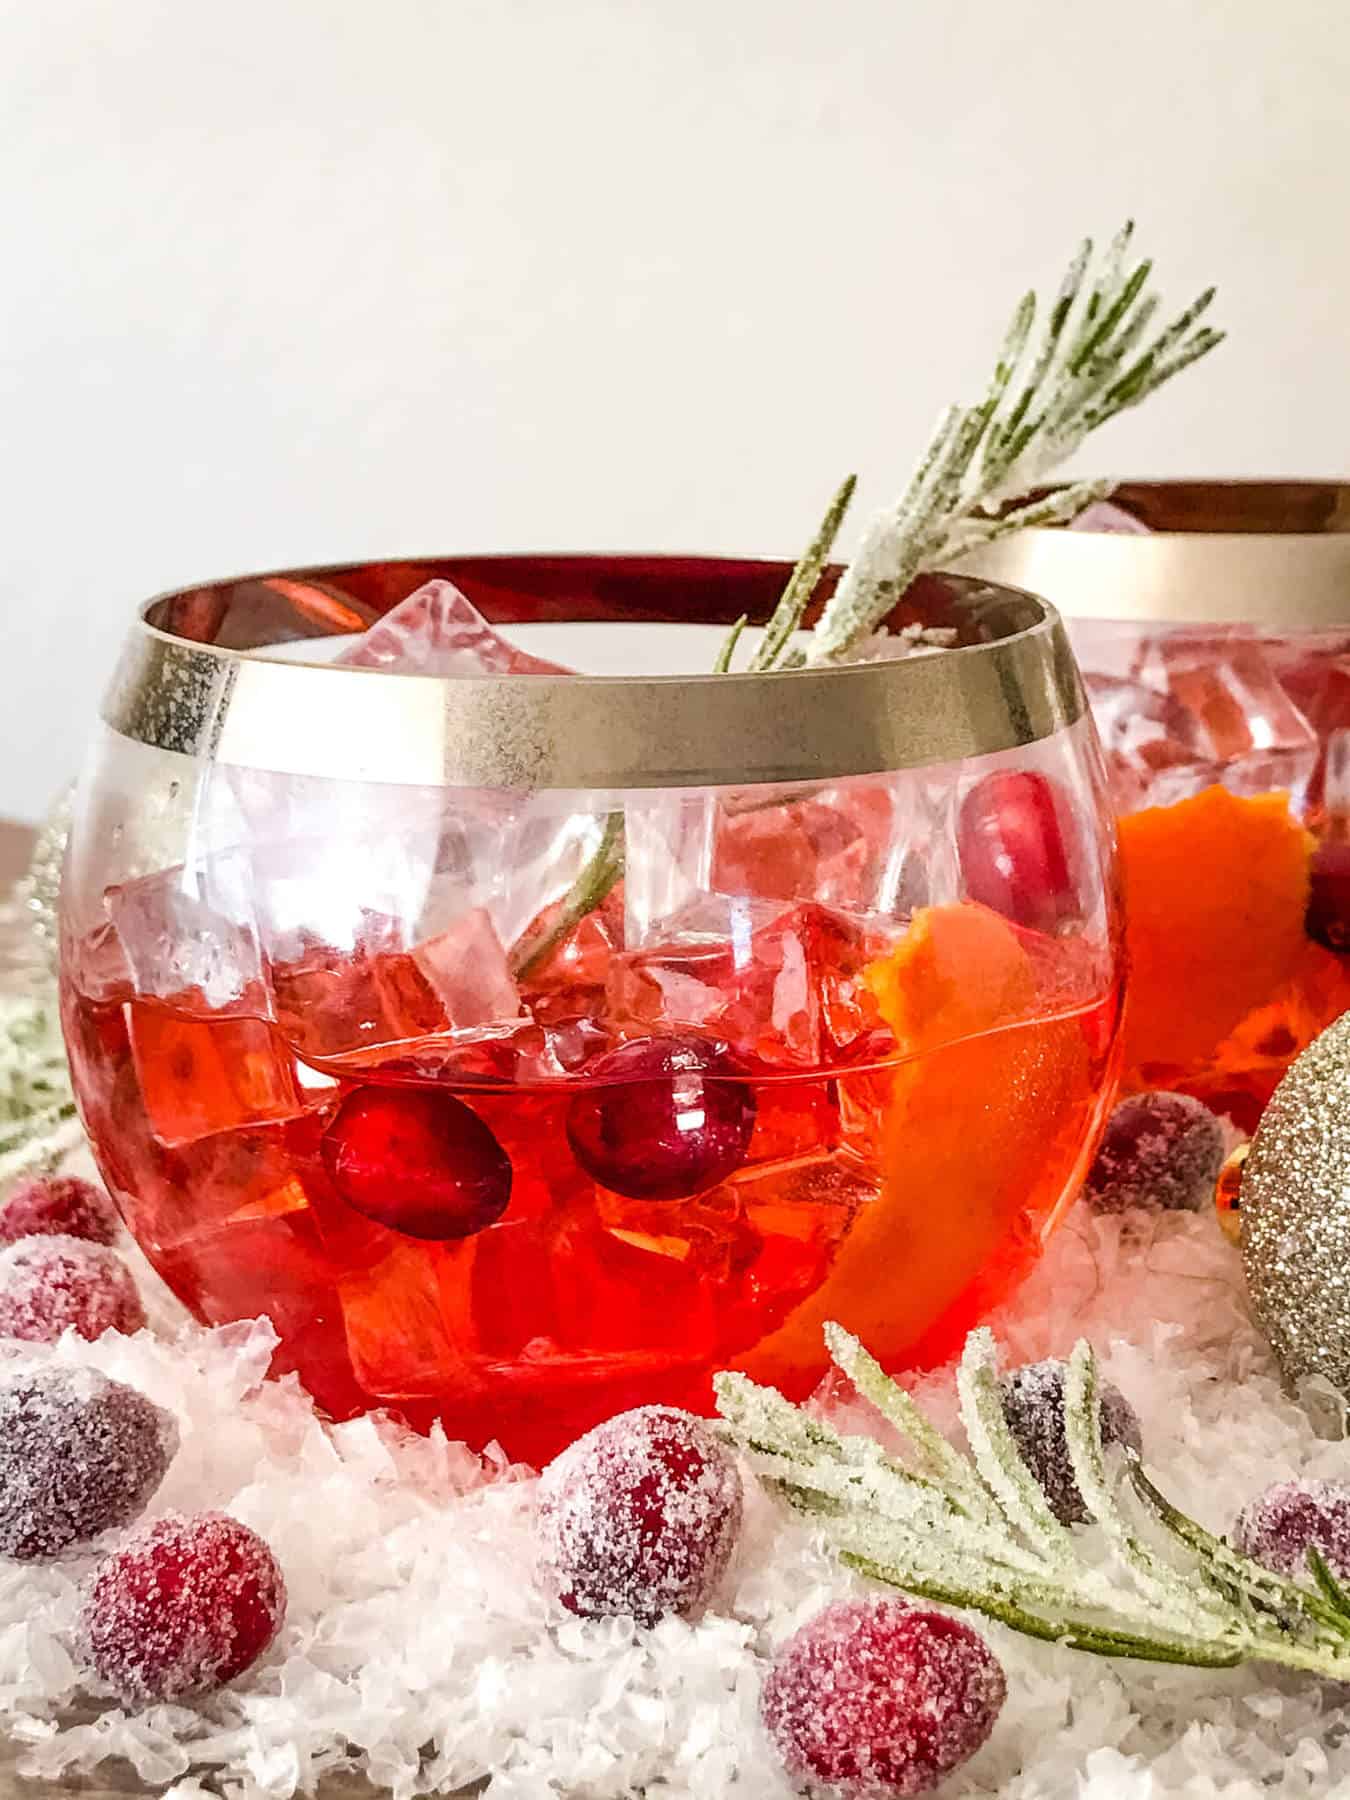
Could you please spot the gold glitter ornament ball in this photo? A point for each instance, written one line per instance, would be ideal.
(1296, 1213)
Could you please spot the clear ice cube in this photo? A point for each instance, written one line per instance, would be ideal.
(1193, 706)
(1252, 731)
(189, 934)
(335, 999)
(783, 986)
(437, 631)
(466, 968)
(834, 844)
(1154, 754)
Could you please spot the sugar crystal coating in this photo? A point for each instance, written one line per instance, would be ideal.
(1279, 1526)
(185, 1606)
(48, 1284)
(79, 1455)
(876, 1698)
(667, 1120)
(639, 1517)
(58, 1206)
(1161, 1151)
(1033, 1404)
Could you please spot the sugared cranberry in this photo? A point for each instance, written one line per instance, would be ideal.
(185, 1606)
(1328, 916)
(1014, 854)
(420, 1162)
(50, 1283)
(876, 1698)
(1161, 1152)
(667, 1118)
(58, 1206)
(79, 1454)
(639, 1517)
(1033, 1404)
(1278, 1528)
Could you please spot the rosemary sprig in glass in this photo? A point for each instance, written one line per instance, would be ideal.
(976, 1531)
(1038, 407)
(1045, 396)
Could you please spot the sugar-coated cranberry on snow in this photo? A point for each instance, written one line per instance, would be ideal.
(639, 1517)
(80, 1454)
(1161, 1152)
(1033, 1404)
(51, 1284)
(186, 1605)
(57, 1206)
(876, 1698)
(1280, 1526)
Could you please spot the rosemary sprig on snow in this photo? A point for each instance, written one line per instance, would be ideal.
(976, 1531)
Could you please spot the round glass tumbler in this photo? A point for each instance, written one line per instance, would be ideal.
(528, 1046)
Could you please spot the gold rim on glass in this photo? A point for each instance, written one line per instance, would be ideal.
(237, 706)
(1274, 554)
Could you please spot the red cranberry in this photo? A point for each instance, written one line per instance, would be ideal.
(186, 1605)
(877, 1698)
(1033, 1404)
(1280, 1526)
(666, 1119)
(48, 1284)
(79, 1454)
(1328, 916)
(417, 1161)
(640, 1516)
(58, 1206)
(1014, 856)
(1162, 1152)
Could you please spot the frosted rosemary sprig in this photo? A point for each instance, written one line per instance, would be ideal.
(970, 485)
(37, 1109)
(974, 1531)
(1044, 397)
(38, 890)
(775, 645)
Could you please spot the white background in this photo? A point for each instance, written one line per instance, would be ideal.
(300, 280)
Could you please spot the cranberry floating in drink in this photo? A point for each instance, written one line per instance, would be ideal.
(667, 1119)
(417, 1161)
(528, 1045)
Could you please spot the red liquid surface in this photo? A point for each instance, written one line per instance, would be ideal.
(900, 1193)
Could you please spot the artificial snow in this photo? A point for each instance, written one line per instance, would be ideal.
(420, 1651)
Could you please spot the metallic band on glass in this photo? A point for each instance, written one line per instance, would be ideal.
(600, 732)
(1284, 564)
